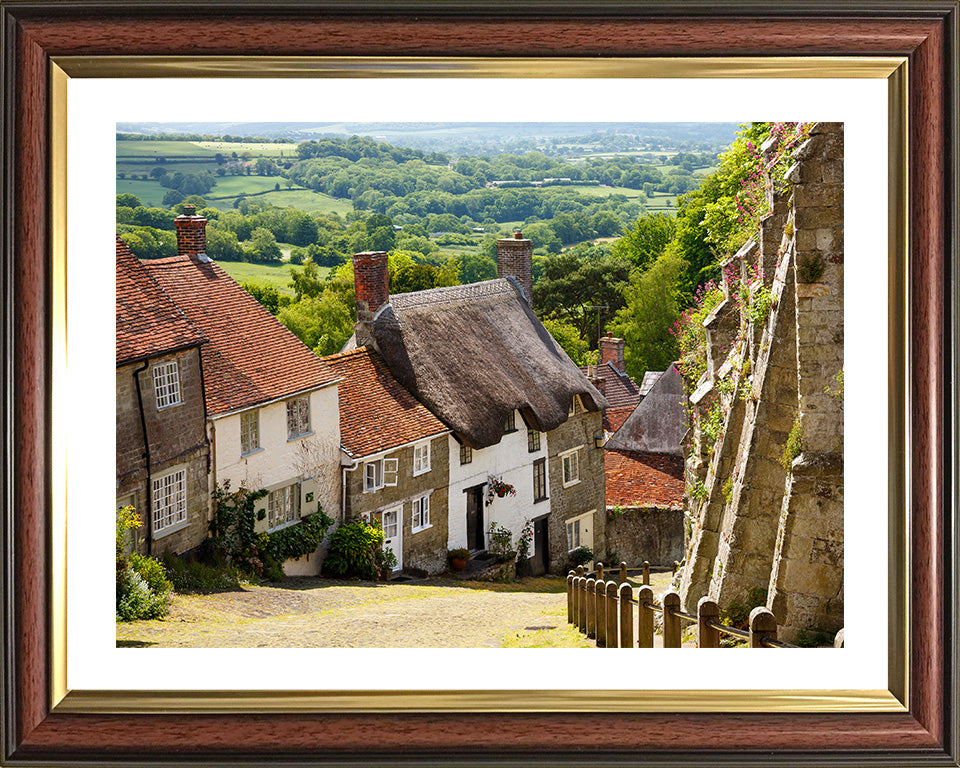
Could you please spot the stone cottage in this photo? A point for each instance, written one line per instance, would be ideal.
(519, 411)
(271, 404)
(161, 438)
(645, 469)
(395, 461)
(767, 515)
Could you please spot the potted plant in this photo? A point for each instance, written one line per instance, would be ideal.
(458, 558)
(496, 487)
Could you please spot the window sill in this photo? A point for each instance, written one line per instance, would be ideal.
(537, 501)
(280, 527)
(421, 472)
(169, 406)
(244, 454)
(426, 527)
(171, 529)
(571, 483)
(297, 437)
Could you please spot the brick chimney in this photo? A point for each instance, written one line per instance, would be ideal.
(611, 351)
(371, 280)
(191, 235)
(515, 259)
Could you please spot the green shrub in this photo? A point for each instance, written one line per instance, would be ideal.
(152, 572)
(298, 540)
(580, 556)
(201, 577)
(356, 549)
(793, 446)
(135, 600)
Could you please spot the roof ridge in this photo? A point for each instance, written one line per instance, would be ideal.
(348, 353)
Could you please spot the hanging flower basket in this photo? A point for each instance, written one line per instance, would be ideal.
(496, 487)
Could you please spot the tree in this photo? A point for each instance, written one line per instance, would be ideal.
(421, 277)
(222, 245)
(475, 267)
(172, 197)
(568, 337)
(652, 307)
(646, 240)
(127, 200)
(263, 246)
(576, 280)
(268, 296)
(323, 323)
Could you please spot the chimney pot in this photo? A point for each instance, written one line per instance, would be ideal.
(517, 234)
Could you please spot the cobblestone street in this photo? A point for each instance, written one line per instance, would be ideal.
(310, 613)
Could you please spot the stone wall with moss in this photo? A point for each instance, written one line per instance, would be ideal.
(764, 470)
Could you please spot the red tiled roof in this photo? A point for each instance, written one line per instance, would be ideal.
(148, 322)
(620, 390)
(250, 358)
(613, 418)
(376, 412)
(643, 479)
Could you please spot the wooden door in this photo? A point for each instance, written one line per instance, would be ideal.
(475, 538)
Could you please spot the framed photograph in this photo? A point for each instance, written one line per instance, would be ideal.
(70, 696)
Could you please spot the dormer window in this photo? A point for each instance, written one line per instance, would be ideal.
(575, 406)
(511, 423)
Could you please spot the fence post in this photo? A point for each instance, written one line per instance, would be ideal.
(626, 616)
(646, 571)
(763, 624)
(570, 597)
(671, 623)
(600, 606)
(838, 640)
(580, 571)
(612, 619)
(599, 571)
(582, 604)
(591, 607)
(707, 636)
(623, 572)
(645, 621)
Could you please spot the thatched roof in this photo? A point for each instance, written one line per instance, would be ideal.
(475, 353)
(659, 423)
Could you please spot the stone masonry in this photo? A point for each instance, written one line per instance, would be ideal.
(585, 496)
(515, 259)
(426, 549)
(177, 437)
(762, 532)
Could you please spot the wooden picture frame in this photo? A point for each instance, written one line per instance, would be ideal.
(36, 35)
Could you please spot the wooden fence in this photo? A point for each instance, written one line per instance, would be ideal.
(604, 611)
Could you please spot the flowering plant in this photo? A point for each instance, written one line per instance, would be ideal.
(496, 487)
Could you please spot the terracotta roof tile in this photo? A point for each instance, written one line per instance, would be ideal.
(620, 390)
(148, 322)
(613, 418)
(643, 479)
(376, 412)
(250, 358)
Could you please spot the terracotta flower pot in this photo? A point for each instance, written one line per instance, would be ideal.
(457, 563)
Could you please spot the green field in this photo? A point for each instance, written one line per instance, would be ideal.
(257, 150)
(304, 199)
(265, 274)
(150, 192)
(231, 186)
(200, 149)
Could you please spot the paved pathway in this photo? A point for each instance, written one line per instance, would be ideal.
(308, 613)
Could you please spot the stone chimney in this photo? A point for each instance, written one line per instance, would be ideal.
(611, 351)
(371, 280)
(192, 235)
(515, 259)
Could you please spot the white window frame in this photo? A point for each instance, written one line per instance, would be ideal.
(380, 473)
(172, 515)
(302, 404)
(574, 525)
(283, 506)
(570, 467)
(421, 458)
(166, 384)
(420, 514)
(250, 435)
